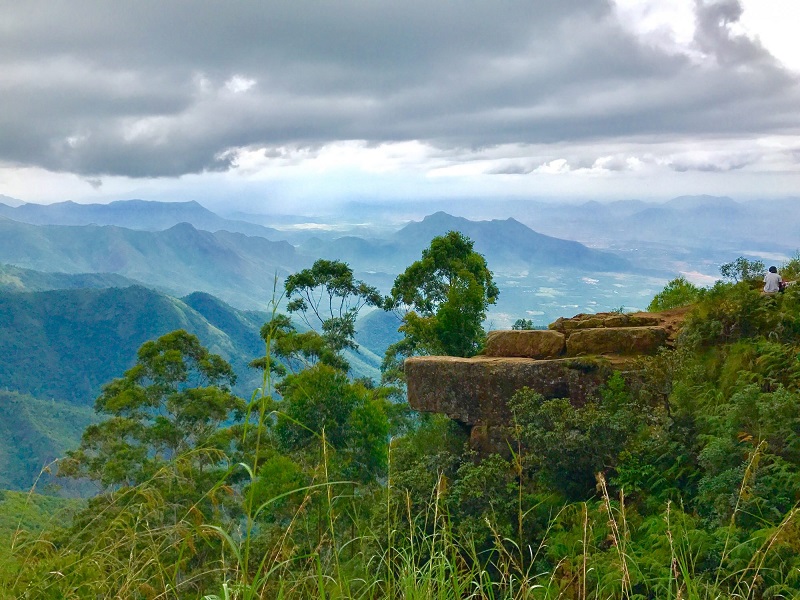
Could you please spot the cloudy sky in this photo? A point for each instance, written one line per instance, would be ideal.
(300, 103)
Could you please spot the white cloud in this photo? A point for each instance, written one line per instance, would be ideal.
(239, 84)
(698, 278)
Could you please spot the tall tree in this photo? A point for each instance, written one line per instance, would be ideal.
(328, 298)
(444, 297)
(173, 404)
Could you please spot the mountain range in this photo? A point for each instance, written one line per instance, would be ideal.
(60, 346)
(133, 214)
(242, 269)
(702, 222)
(65, 344)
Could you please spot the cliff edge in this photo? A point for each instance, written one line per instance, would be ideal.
(571, 359)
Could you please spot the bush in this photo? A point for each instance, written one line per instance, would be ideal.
(678, 292)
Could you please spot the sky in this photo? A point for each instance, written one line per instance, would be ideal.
(277, 106)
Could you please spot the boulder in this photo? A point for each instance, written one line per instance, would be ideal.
(526, 344)
(616, 340)
(476, 390)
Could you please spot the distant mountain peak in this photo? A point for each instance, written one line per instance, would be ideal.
(701, 201)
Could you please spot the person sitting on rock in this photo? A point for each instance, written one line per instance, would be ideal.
(772, 281)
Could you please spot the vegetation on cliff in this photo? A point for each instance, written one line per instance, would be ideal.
(679, 480)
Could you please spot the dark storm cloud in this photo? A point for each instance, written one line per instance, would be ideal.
(165, 88)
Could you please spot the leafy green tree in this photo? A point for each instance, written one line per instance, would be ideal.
(678, 292)
(174, 403)
(743, 269)
(162, 455)
(296, 349)
(446, 294)
(523, 325)
(320, 402)
(329, 298)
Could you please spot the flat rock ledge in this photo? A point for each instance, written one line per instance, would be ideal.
(571, 359)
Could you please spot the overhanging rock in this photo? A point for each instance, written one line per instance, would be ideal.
(477, 390)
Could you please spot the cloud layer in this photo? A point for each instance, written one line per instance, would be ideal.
(167, 88)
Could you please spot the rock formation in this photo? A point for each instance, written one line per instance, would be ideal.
(571, 359)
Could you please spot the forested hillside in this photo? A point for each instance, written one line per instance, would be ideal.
(65, 344)
(678, 478)
(62, 344)
(16, 279)
(33, 433)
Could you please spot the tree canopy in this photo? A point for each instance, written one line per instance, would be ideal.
(173, 402)
(329, 298)
(445, 295)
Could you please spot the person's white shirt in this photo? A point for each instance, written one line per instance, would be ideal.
(772, 283)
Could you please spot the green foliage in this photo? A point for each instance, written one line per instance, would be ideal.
(676, 293)
(523, 324)
(171, 404)
(568, 445)
(330, 298)
(726, 314)
(790, 270)
(433, 450)
(678, 479)
(446, 293)
(295, 349)
(33, 434)
(743, 270)
(321, 406)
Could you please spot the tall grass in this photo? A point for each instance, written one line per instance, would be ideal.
(408, 553)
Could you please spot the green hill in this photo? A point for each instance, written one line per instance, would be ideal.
(33, 433)
(61, 346)
(16, 279)
(65, 344)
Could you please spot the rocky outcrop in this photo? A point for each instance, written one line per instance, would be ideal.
(571, 359)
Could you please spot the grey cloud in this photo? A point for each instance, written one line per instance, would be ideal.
(511, 169)
(724, 164)
(714, 36)
(138, 89)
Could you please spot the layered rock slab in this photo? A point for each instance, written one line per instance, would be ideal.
(571, 359)
(536, 343)
(626, 341)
